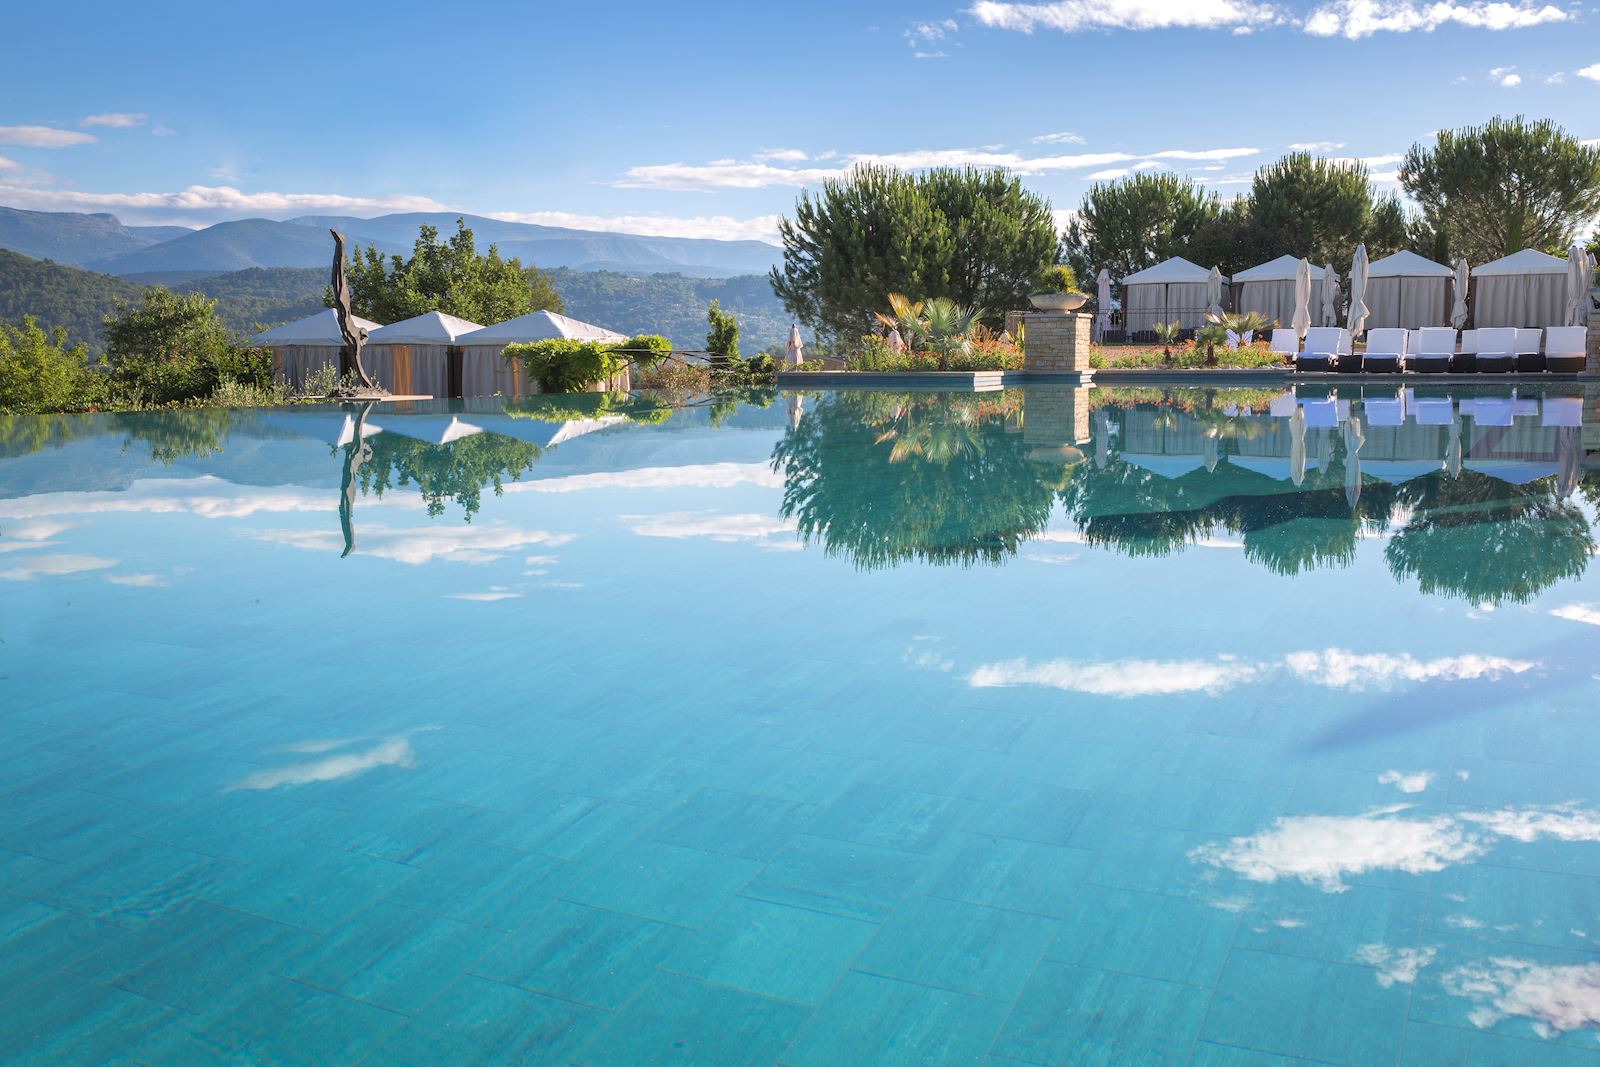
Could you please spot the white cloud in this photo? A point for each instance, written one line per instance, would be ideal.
(1556, 79)
(1316, 146)
(1069, 16)
(1564, 822)
(1108, 175)
(1355, 19)
(1395, 965)
(684, 524)
(1591, 72)
(782, 155)
(1322, 850)
(457, 544)
(922, 34)
(31, 567)
(1554, 997)
(209, 202)
(42, 137)
(1341, 669)
(9, 164)
(1506, 76)
(1406, 783)
(138, 581)
(1588, 613)
(119, 120)
(724, 174)
(1065, 137)
(716, 227)
(1120, 678)
(393, 751)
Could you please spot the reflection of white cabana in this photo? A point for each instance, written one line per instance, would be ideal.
(1173, 291)
(337, 428)
(307, 345)
(411, 357)
(1269, 289)
(1396, 471)
(1166, 466)
(485, 371)
(1274, 467)
(1527, 289)
(1515, 471)
(434, 429)
(1407, 291)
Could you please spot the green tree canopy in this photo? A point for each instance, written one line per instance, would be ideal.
(1136, 222)
(1319, 209)
(975, 236)
(39, 372)
(447, 276)
(1504, 186)
(173, 347)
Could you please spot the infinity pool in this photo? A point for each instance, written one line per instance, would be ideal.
(1046, 726)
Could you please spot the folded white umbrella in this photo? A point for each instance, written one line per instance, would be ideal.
(1102, 303)
(1214, 292)
(1357, 320)
(1577, 286)
(1458, 310)
(1330, 296)
(1302, 299)
(795, 351)
(1297, 445)
(1353, 440)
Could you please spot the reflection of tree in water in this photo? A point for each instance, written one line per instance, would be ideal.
(23, 434)
(458, 471)
(188, 433)
(1487, 540)
(886, 478)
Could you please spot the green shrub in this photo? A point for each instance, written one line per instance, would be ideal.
(1059, 279)
(170, 348)
(723, 340)
(39, 373)
(563, 366)
(646, 349)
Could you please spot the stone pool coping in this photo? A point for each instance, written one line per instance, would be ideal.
(984, 381)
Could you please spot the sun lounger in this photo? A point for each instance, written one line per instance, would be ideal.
(1286, 343)
(1386, 351)
(1497, 351)
(1530, 360)
(1432, 349)
(1466, 360)
(1564, 349)
(1327, 348)
(1562, 410)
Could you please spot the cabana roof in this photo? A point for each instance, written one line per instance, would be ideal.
(1405, 264)
(1282, 269)
(319, 329)
(1176, 269)
(1527, 261)
(431, 328)
(538, 326)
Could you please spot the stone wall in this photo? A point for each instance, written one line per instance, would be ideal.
(1056, 342)
(1592, 364)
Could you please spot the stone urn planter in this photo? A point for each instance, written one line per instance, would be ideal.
(1058, 301)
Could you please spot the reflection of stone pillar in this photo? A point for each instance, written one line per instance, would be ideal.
(1055, 414)
(1591, 417)
(1056, 342)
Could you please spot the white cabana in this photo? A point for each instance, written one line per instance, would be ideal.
(307, 345)
(1409, 292)
(1269, 289)
(1173, 291)
(485, 371)
(412, 357)
(1527, 289)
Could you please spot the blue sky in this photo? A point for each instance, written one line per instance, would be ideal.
(706, 120)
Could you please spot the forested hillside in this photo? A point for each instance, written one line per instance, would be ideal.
(673, 305)
(59, 296)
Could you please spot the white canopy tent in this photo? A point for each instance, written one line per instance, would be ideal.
(307, 345)
(1173, 291)
(485, 372)
(1269, 289)
(1409, 292)
(1527, 289)
(411, 357)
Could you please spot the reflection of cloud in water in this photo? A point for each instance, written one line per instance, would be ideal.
(391, 751)
(489, 597)
(1578, 613)
(1120, 678)
(1322, 850)
(208, 497)
(1334, 669)
(1341, 669)
(21, 536)
(31, 567)
(458, 544)
(1554, 998)
(1406, 783)
(710, 524)
(689, 476)
(1395, 965)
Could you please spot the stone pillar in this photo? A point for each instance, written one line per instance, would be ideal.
(1592, 364)
(1055, 414)
(1056, 342)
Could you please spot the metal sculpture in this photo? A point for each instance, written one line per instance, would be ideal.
(354, 336)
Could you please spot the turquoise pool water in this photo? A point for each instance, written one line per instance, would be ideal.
(1051, 726)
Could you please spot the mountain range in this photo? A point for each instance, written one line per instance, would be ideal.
(102, 243)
